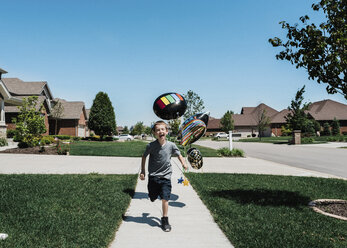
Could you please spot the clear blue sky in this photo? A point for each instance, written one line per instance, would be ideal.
(135, 50)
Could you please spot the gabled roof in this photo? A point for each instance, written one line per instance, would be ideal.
(15, 109)
(280, 116)
(72, 110)
(244, 120)
(17, 86)
(213, 123)
(328, 110)
(87, 113)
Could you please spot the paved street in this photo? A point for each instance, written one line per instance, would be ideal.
(325, 158)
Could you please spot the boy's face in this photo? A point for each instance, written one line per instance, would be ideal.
(160, 132)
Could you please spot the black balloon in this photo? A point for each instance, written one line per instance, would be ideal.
(169, 106)
(195, 158)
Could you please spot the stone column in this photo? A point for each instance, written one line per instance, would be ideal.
(297, 137)
(2, 118)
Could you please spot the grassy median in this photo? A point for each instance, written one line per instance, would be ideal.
(62, 210)
(271, 211)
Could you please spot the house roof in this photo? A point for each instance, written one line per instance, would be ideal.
(15, 109)
(213, 123)
(87, 113)
(328, 110)
(280, 116)
(19, 87)
(71, 110)
(2, 71)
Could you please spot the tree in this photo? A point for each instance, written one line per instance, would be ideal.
(194, 104)
(56, 114)
(175, 126)
(326, 129)
(102, 119)
(227, 121)
(335, 127)
(126, 130)
(320, 49)
(30, 122)
(148, 130)
(297, 118)
(138, 129)
(263, 121)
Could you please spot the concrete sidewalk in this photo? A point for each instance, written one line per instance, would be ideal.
(192, 223)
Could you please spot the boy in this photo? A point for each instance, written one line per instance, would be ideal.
(159, 169)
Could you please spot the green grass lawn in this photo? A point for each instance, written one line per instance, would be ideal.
(63, 210)
(123, 149)
(276, 140)
(271, 211)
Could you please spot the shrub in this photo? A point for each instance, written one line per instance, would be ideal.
(108, 138)
(3, 142)
(326, 129)
(62, 148)
(233, 153)
(10, 133)
(335, 127)
(307, 140)
(46, 140)
(76, 138)
(62, 137)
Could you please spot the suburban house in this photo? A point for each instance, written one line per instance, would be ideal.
(245, 124)
(20, 89)
(9, 100)
(72, 120)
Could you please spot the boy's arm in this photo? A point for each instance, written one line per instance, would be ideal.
(181, 159)
(143, 168)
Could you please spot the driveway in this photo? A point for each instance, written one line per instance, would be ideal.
(325, 158)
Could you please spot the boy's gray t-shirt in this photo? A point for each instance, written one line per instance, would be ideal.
(159, 164)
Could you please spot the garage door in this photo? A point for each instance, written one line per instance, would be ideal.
(81, 131)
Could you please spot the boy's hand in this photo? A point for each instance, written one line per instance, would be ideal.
(142, 176)
(185, 166)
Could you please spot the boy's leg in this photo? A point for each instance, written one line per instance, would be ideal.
(165, 206)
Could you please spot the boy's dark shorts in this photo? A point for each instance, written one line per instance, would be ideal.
(159, 187)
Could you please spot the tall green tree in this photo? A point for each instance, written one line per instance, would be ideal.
(126, 130)
(194, 104)
(319, 48)
(335, 127)
(138, 129)
(227, 121)
(30, 122)
(263, 121)
(102, 119)
(175, 126)
(297, 118)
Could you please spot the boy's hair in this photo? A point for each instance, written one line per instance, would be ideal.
(159, 123)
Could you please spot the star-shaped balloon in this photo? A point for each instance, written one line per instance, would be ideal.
(185, 182)
(180, 180)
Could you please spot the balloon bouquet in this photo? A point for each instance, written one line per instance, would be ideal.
(170, 106)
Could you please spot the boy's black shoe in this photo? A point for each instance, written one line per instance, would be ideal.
(165, 224)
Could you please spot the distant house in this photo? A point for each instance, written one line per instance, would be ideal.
(246, 123)
(6, 98)
(21, 89)
(73, 120)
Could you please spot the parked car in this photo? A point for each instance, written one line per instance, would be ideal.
(221, 135)
(127, 137)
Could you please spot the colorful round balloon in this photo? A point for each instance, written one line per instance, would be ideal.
(202, 116)
(195, 158)
(191, 130)
(169, 106)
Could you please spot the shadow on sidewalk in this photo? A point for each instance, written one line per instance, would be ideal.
(144, 219)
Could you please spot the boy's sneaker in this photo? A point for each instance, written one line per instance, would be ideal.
(165, 224)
